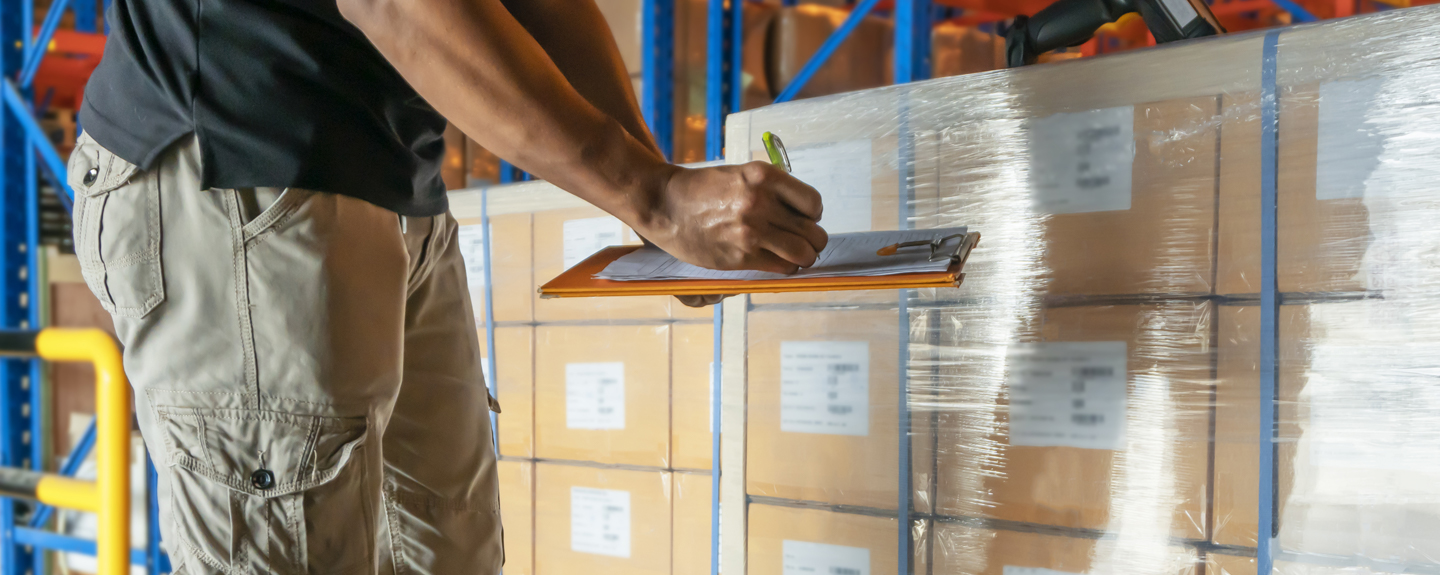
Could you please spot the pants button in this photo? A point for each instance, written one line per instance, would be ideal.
(91, 175)
(262, 479)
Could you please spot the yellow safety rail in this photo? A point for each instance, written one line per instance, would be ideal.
(109, 495)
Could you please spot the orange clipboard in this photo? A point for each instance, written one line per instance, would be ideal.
(580, 281)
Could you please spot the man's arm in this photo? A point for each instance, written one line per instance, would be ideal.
(585, 52)
(478, 66)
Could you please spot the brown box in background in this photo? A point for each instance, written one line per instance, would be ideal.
(1320, 242)
(601, 521)
(957, 49)
(515, 388)
(1163, 240)
(823, 418)
(566, 237)
(793, 540)
(1237, 425)
(513, 276)
(482, 168)
(691, 75)
(691, 389)
(602, 394)
(452, 168)
(965, 550)
(517, 515)
(859, 63)
(692, 522)
(1106, 411)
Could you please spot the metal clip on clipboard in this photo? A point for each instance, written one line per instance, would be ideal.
(936, 245)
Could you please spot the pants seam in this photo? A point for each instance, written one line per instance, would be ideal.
(242, 292)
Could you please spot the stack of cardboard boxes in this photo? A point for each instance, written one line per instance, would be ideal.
(604, 437)
(1088, 402)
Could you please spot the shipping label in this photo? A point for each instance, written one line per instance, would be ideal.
(841, 173)
(1082, 162)
(1067, 394)
(825, 387)
(1348, 147)
(600, 521)
(586, 236)
(806, 558)
(595, 395)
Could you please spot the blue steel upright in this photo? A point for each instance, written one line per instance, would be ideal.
(17, 411)
(657, 85)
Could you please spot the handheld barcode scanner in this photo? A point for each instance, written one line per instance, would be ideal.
(1073, 22)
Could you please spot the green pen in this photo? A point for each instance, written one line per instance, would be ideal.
(776, 150)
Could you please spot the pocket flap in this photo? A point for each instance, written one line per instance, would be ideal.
(230, 446)
(110, 171)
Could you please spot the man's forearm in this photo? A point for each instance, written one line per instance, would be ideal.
(586, 54)
(480, 68)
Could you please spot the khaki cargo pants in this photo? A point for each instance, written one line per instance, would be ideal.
(307, 375)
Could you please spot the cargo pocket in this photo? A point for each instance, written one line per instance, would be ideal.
(266, 492)
(117, 230)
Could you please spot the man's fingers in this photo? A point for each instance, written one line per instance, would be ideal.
(768, 262)
(798, 195)
(790, 247)
(805, 228)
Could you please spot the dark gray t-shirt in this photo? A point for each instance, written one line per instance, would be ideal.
(280, 93)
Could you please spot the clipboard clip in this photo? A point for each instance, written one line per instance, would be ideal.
(937, 248)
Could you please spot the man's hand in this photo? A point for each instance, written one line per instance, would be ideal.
(750, 217)
(700, 300)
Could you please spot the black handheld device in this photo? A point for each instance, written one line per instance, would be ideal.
(1073, 22)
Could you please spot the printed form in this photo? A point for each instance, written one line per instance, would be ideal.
(845, 255)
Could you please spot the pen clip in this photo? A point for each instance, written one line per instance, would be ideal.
(776, 150)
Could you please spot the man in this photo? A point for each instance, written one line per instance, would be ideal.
(259, 207)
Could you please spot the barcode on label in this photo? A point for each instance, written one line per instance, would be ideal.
(844, 368)
(1087, 418)
(1095, 371)
(844, 571)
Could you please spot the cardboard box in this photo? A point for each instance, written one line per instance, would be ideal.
(1100, 416)
(1156, 237)
(1321, 239)
(785, 540)
(1354, 456)
(517, 515)
(965, 550)
(514, 388)
(691, 395)
(566, 237)
(823, 421)
(602, 394)
(1237, 425)
(513, 272)
(601, 521)
(1232, 565)
(957, 49)
(692, 521)
(859, 63)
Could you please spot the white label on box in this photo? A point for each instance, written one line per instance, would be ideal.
(1348, 148)
(841, 173)
(1012, 570)
(825, 387)
(1067, 394)
(1082, 162)
(600, 521)
(806, 558)
(595, 395)
(472, 250)
(587, 236)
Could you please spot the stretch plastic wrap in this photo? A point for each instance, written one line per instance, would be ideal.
(1090, 400)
